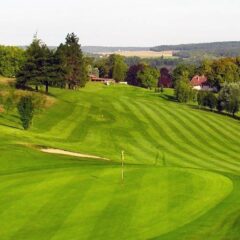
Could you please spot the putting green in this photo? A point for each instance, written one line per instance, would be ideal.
(92, 203)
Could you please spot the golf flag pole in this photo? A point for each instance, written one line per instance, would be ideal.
(122, 156)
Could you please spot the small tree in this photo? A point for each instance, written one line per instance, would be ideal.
(220, 105)
(233, 103)
(117, 67)
(229, 98)
(132, 74)
(26, 111)
(207, 99)
(200, 97)
(211, 100)
(183, 89)
(148, 77)
(119, 70)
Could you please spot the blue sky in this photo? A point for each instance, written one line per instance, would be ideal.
(120, 22)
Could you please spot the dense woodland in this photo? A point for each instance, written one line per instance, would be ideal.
(201, 50)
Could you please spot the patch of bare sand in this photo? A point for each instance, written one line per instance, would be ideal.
(74, 154)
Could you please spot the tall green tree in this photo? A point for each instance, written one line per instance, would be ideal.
(72, 62)
(38, 68)
(225, 70)
(132, 74)
(102, 65)
(207, 99)
(11, 60)
(183, 89)
(181, 70)
(117, 67)
(148, 77)
(119, 71)
(229, 98)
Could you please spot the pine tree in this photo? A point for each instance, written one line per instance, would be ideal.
(72, 62)
(26, 111)
(38, 68)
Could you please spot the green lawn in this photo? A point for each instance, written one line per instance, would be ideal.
(195, 195)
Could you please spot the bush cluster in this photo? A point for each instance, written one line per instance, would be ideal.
(228, 99)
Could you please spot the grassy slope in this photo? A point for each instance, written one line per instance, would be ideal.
(104, 120)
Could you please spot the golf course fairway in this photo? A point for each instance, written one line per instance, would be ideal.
(181, 169)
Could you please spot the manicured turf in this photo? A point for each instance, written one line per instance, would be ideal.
(181, 179)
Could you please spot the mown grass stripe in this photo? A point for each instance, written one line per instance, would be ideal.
(118, 209)
(185, 154)
(191, 145)
(193, 127)
(149, 135)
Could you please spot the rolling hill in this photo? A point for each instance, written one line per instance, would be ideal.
(199, 46)
(100, 49)
(214, 49)
(182, 169)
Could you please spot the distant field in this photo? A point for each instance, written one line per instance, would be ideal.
(141, 54)
(182, 169)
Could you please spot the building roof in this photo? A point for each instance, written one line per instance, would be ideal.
(98, 79)
(198, 80)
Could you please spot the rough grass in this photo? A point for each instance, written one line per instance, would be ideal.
(6, 81)
(181, 179)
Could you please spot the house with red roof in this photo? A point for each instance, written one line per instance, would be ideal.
(200, 83)
(95, 78)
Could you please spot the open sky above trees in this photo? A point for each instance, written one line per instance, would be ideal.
(122, 23)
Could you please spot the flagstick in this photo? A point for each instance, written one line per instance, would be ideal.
(122, 156)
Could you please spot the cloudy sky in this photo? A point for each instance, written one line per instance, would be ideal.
(120, 22)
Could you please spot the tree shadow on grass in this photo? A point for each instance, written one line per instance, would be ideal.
(214, 111)
(10, 120)
(165, 96)
(10, 126)
(168, 97)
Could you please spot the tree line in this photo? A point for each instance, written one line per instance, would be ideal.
(67, 67)
(63, 67)
(40, 66)
(228, 99)
(139, 74)
(215, 49)
(223, 79)
(218, 71)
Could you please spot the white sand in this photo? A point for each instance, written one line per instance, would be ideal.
(63, 152)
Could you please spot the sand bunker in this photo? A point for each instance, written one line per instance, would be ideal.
(63, 152)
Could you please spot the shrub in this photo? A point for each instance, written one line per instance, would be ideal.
(200, 97)
(229, 98)
(26, 111)
(9, 104)
(220, 105)
(207, 99)
(211, 100)
(183, 91)
(148, 77)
